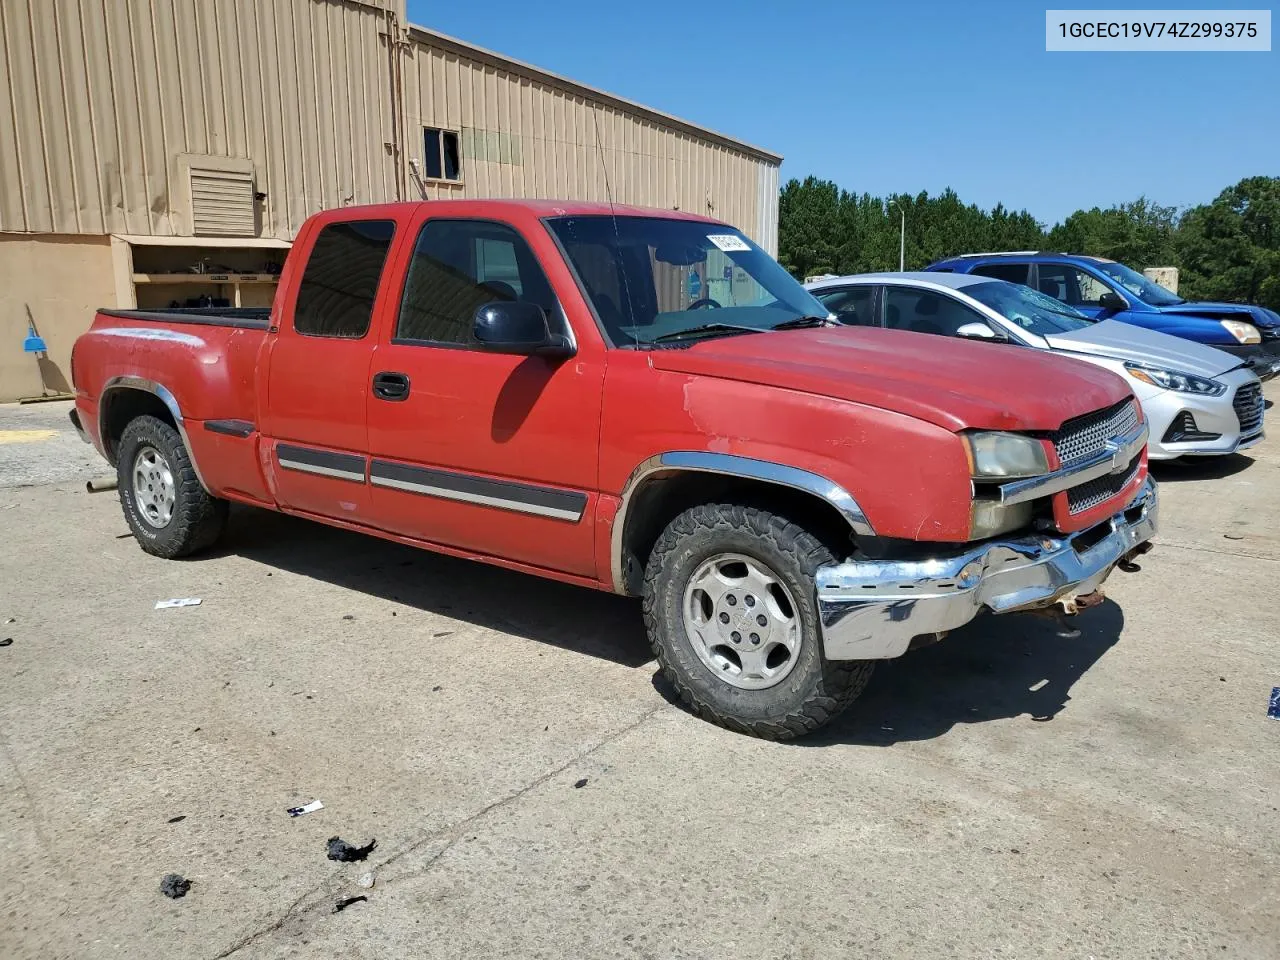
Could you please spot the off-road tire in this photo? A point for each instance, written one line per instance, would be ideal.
(198, 518)
(816, 690)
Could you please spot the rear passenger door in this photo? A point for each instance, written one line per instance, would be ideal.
(318, 375)
(853, 305)
(485, 452)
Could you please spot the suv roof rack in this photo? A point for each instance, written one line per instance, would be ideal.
(1013, 253)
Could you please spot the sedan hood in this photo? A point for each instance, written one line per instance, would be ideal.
(956, 384)
(1258, 316)
(1124, 341)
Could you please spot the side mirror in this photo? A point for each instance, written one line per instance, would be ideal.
(1112, 301)
(517, 327)
(977, 331)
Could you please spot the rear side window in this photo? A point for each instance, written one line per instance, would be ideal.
(335, 298)
(460, 265)
(1013, 272)
(851, 305)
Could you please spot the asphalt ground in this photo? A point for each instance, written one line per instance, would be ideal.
(535, 793)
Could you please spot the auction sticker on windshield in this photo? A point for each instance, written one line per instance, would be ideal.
(728, 242)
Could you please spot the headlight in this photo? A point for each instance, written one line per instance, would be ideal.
(1003, 456)
(989, 518)
(1244, 332)
(1176, 380)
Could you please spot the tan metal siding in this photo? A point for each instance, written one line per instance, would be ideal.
(553, 142)
(98, 98)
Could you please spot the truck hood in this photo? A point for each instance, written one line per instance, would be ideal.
(1258, 316)
(1124, 341)
(956, 384)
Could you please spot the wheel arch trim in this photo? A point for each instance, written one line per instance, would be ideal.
(731, 465)
(165, 395)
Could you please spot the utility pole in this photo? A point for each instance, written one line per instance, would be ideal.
(902, 237)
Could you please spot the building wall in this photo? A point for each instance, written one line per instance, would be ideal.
(98, 100)
(43, 280)
(106, 105)
(525, 133)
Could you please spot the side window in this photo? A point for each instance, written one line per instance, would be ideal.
(1071, 286)
(457, 267)
(1013, 272)
(923, 311)
(335, 297)
(851, 305)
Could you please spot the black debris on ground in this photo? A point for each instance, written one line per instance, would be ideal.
(177, 819)
(344, 852)
(348, 616)
(443, 633)
(436, 689)
(580, 784)
(174, 886)
(7, 641)
(348, 901)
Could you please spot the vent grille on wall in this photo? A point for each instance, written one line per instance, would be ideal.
(222, 203)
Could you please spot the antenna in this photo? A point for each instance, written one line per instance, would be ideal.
(613, 216)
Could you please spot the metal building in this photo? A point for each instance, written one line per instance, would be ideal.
(160, 152)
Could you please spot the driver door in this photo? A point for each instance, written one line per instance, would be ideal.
(485, 452)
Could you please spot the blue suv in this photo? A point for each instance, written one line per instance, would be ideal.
(1106, 290)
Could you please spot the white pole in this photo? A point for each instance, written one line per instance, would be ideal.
(902, 242)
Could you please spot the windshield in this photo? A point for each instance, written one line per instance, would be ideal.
(1137, 284)
(1031, 310)
(652, 277)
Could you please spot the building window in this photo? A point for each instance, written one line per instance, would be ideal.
(440, 154)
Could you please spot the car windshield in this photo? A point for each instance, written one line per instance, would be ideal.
(652, 278)
(1137, 284)
(1031, 310)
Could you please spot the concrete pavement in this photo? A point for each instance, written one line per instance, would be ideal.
(1004, 793)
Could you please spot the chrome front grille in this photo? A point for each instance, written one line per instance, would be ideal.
(1088, 435)
(1089, 495)
(1248, 404)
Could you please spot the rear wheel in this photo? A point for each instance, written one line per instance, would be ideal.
(730, 607)
(167, 508)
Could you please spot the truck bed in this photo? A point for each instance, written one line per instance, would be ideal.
(247, 318)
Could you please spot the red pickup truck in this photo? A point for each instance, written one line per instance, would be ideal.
(639, 401)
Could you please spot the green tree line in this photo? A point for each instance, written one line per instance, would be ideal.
(1225, 250)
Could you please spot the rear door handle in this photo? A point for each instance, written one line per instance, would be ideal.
(391, 386)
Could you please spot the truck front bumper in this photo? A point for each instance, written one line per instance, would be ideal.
(871, 609)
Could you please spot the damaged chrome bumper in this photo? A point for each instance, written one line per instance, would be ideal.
(872, 609)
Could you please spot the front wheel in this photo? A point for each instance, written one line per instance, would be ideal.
(167, 508)
(731, 612)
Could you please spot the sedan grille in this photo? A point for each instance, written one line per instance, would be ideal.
(1248, 404)
(1088, 435)
(1089, 495)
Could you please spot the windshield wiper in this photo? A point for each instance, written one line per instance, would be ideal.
(799, 323)
(707, 328)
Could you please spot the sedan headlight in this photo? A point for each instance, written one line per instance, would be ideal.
(1176, 380)
(1004, 456)
(1244, 332)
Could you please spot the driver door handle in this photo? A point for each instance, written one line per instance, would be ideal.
(389, 385)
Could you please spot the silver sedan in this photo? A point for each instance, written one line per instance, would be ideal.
(1198, 401)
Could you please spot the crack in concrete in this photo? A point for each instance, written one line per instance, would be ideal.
(454, 833)
(1223, 553)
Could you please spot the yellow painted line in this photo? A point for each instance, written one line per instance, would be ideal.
(26, 436)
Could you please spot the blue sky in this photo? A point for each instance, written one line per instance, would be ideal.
(902, 97)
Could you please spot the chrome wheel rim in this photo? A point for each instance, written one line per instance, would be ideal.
(153, 489)
(742, 621)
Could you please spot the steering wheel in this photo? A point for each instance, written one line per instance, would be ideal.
(703, 302)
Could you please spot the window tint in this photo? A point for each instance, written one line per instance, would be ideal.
(457, 267)
(440, 154)
(922, 311)
(1013, 272)
(1071, 286)
(851, 305)
(335, 298)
